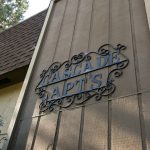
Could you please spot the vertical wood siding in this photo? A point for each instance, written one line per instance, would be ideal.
(121, 124)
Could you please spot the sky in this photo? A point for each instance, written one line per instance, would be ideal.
(36, 6)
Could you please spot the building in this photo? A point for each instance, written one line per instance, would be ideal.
(87, 86)
(16, 48)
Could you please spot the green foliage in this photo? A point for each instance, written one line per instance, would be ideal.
(11, 12)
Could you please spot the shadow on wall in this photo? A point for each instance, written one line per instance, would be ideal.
(124, 122)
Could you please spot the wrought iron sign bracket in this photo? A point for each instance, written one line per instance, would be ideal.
(87, 71)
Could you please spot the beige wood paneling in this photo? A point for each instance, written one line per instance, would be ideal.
(141, 37)
(146, 114)
(125, 124)
(99, 24)
(31, 134)
(95, 127)
(63, 53)
(46, 132)
(69, 130)
(120, 32)
(47, 124)
(95, 130)
(142, 44)
(80, 44)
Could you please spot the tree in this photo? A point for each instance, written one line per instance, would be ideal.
(11, 12)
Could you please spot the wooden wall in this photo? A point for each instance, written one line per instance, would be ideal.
(120, 124)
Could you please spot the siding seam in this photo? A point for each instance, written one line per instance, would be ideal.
(35, 132)
(83, 107)
(54, 145)
(136, 66)
(109, 102)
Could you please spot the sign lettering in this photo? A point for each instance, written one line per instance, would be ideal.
(83, 77)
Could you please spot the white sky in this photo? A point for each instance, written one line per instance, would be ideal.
(36, 6)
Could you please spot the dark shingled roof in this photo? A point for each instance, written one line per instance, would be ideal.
(17, 43)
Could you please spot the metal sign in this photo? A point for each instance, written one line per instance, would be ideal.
(83, 77)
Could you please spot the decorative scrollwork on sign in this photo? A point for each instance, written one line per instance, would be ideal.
(106, 56)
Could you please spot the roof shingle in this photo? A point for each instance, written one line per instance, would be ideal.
(17, 43)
